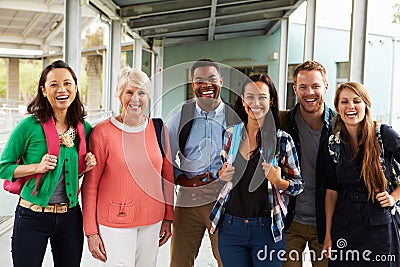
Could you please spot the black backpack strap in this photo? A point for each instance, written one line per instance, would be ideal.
(285, 121)
(187, 117)
(186, 123)
(378, 131)
(159, 126)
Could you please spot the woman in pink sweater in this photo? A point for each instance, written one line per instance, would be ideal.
(127, 200)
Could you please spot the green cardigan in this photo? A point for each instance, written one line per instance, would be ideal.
(27, 140)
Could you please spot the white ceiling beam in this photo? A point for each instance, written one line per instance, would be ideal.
(108, 7)
(18, 46)
(35, 20)
(52, 35)
(41, 7)
(27, 46)
(162, 7)
(32, 24)
(285, 16)
(211, 23)
(16, 39)
(14, 27)
(233, 35)
(181, 40)
(31, 6)
(21, 56)
(87, 11)
(135, 35)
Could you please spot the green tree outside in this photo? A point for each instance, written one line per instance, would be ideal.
(396, 15)
(29, 73)
(3, 78)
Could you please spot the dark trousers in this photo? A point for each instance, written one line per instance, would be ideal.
(31, 233)
(249, 242)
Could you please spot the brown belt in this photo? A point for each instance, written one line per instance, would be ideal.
(196, 181)
(51, 208)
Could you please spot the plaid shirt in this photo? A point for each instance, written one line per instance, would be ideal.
(290, 170)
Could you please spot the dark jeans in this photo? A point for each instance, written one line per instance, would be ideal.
(31, 233)
(248, 242)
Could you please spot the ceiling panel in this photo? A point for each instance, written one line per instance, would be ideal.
(36, 23)
(205, 19)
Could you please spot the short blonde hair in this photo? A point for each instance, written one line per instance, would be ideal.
(135, 78)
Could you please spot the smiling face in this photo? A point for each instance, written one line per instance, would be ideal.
(256, 100)
(206, 84)
(351, 108)
(310, 89)
(59, 89)
(134, 101)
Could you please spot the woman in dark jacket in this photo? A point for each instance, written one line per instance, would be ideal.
(360, 230)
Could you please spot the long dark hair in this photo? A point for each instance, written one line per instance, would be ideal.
(40, 106)
(274, 107)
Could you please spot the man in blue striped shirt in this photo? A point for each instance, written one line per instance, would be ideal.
(196, 133)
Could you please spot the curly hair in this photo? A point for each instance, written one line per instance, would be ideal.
(371, 170)
(40, 106)
(205, 62)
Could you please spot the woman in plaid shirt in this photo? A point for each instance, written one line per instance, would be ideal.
(250, 210)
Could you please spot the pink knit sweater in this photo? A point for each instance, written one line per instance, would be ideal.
(125, 188)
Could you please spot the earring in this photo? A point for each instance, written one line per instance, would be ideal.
(243, 136)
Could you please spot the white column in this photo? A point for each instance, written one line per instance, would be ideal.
(157, 78)
(283, 63)
(111, 101)
(93, 70)
(137, 54)
(358, 40)
(46, 60)
(12, 83)
(106, 105)
(72, 35)
(394, 108)
(309, 38)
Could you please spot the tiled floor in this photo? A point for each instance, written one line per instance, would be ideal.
(204, 259)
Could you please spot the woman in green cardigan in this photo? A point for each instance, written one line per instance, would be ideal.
(51, 143)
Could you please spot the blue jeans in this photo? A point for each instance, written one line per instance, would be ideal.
(248, 242)
(31, 233)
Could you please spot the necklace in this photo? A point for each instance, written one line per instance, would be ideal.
(67, 138)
